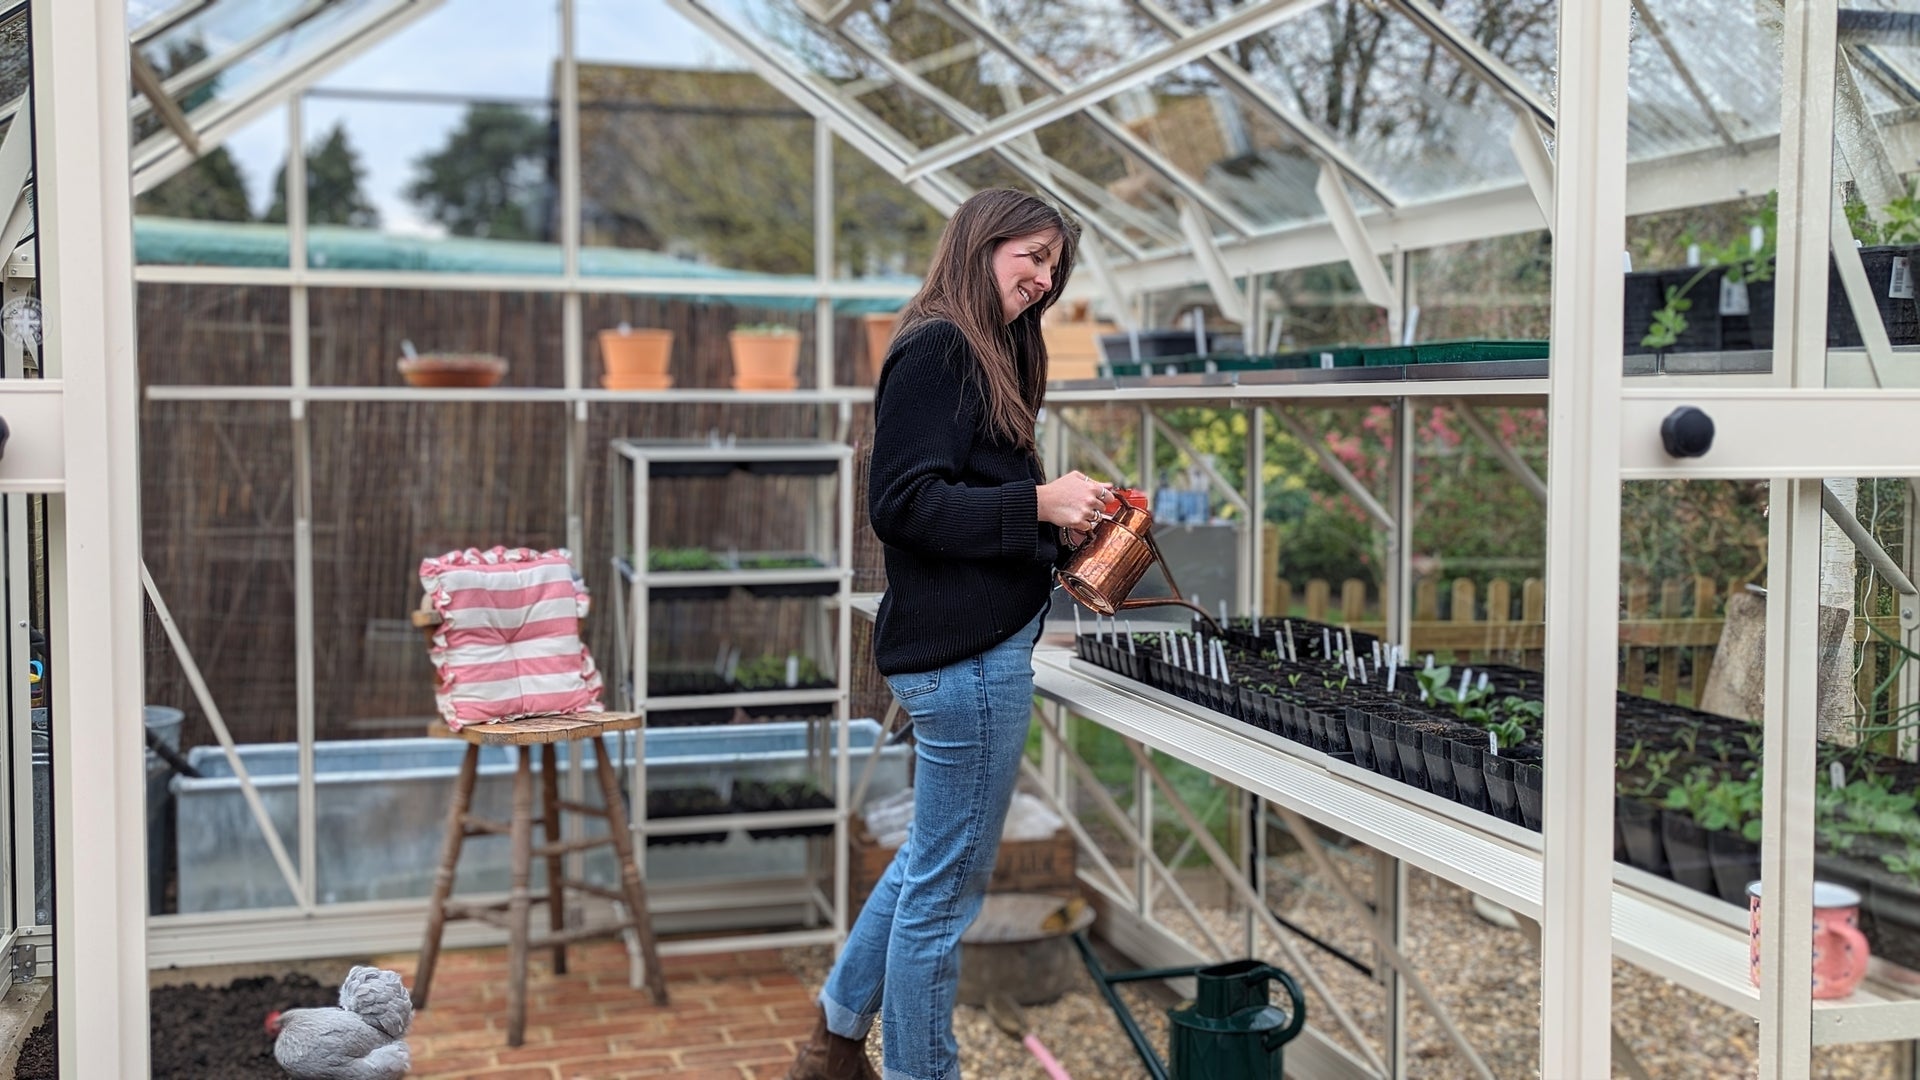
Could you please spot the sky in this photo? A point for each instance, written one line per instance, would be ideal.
(468, 48)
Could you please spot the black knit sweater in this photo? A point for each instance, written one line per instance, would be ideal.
(968, 559)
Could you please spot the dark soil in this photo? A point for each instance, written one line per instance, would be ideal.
(202, 1033)
(38, 1054)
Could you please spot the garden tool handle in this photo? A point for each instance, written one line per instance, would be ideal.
(1296, 1019)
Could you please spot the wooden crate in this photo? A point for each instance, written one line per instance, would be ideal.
(1033, 866)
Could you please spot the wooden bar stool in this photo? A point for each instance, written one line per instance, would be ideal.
(512, 914)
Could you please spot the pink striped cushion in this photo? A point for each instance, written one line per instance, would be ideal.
(509, 641)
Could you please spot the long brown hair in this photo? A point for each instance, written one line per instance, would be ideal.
(960, 287)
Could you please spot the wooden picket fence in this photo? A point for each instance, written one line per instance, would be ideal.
(1667, 635)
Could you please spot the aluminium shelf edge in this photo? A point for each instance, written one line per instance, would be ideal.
(1673, 940)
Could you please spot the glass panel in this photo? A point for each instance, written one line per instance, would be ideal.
(708, 168)
(881, 229)
(218, 538)
(1105, 180)
(1323, 306)
(422, 186)
(1231, 147)
(219, 335)
(1079, 40)
(360, 335)
(687, 165)
(416, 164)
(225, 209)
(1488, 289)
(1391, 96)
(1874, 178)
(228, 51)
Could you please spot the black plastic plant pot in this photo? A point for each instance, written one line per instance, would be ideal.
(666, 718)
(1083, 647)
(1890, 906)
(758, 797)
(1736, 861)
(1640, 830)
(1503, 797)
(666, 804)
(1359, 738)
(1686, 845)
(1438, 750)
(1469, 777)
(1286, 718)
(1527, 783)
(1407, 741)
(1381, 729)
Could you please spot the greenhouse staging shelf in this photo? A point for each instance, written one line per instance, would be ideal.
(807, 682)
(1657, 925)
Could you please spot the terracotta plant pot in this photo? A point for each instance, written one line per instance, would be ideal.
(443, 370)
(637, 382)
(635, 352)
(763, 358)
(880, 328)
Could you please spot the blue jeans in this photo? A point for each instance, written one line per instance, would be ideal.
(970, 725)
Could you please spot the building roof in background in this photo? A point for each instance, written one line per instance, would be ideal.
(171, 241)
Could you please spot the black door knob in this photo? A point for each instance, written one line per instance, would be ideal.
(4, 432)
(1687, 432)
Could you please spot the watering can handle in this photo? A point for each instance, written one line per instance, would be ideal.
(1297, 1019)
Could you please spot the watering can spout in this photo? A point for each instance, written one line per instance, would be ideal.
(1116, 556)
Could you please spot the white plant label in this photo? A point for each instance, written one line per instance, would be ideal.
(1326, 361)
(1836, 776)
(1900, 285)
(793, 671)
(1733, 298)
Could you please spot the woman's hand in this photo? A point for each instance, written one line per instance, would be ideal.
(1072, 501)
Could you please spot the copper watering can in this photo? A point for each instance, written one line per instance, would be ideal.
(1116, 556)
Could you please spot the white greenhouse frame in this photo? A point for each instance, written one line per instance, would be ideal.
(74, 437)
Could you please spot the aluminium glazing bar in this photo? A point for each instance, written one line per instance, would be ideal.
(194, 74)
(167, 20)
(1360, 248)
(1038, 172)
(1694, 90)
(1226, 295)
(1791, 695)
(79, 71)
(457, 281)
(1143, 151)
(1535, 164)
(1299, 126)
(161, 156)
(147, 81)
(1243, 22)
(1866, 544)
(1508, 456)
(1337, 469)
(1484, 65)
(860, 128)
(1583, 539)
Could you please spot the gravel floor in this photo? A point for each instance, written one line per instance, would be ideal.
(1486, 976)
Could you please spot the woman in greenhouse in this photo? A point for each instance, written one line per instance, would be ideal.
(956, 494)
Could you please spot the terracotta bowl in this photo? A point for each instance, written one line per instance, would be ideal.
(443, 370)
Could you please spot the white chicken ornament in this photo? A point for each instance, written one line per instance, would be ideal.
(360, 1040)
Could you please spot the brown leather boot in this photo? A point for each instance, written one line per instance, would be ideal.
(826, 1056)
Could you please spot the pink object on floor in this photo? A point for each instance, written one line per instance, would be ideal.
(1046, 1058)
(509, 643)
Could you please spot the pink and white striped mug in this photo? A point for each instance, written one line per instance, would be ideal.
(1840, 951)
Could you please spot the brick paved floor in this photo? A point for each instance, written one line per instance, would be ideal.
(733, 1016)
